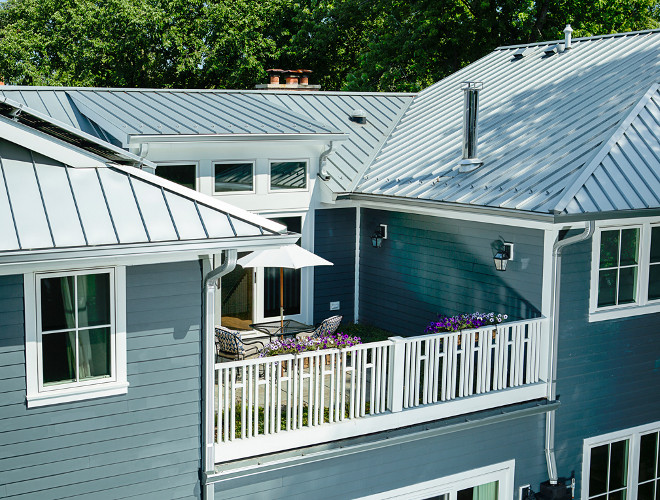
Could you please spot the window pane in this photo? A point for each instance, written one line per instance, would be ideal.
(598, 470)
(618, 495)
(57, 309)
(654, 282)
(233, 177)
(655, 244)
(627, 285)
(645, 491)
(93, 300)
(647, 456)
(186, 175)
(618, 465)
(607, 288)
(609, 249)
(629, 246)
(94, 353)
(288, 175)
(59, 357)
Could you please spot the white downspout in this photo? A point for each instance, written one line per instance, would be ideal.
(208, 364)
(557, 248)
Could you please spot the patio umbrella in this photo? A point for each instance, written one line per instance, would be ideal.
(289, 256)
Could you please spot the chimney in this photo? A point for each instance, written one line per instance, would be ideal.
(470, 126)
(295, 79)
(568, 31)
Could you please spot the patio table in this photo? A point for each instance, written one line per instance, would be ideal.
(275, 328)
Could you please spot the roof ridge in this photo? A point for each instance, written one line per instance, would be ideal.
(581, 176)
(580, 39)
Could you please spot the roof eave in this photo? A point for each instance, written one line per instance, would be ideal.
(138, 139)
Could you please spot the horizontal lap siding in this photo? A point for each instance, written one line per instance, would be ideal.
(430, 265)
(334, 240)
(144, 443)
(608, 371)
(391, 467)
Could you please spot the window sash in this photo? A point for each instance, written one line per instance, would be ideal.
(240, 185)
(292, 181)
(78, 382)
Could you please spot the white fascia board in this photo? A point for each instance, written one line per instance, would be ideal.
(207, 200)
(324, 137)
(501, 216)
(47, 145)
(140, 253)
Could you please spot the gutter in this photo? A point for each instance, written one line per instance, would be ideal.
(557, 248)
(208, 363)
(328, 136)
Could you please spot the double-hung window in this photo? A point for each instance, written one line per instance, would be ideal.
(623, 465)
(75, 332)
(625, 277)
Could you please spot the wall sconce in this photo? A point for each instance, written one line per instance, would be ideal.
(503, 255)
(379, 235)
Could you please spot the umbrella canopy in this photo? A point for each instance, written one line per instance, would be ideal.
(289, 256)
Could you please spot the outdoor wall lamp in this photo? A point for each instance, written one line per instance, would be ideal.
(379, 235)
(503, 255)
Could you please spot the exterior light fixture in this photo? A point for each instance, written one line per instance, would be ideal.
(379, 235)
(503, 255)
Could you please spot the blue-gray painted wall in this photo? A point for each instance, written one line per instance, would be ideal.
(400, 465)
(608, 375)
(334, 239)
(143, 444)
(430, 265)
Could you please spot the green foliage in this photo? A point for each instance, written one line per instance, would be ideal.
(349, 44)
(367, 333)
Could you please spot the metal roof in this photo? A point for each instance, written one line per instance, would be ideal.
(542, 121)
(115, 114)
(46, 204)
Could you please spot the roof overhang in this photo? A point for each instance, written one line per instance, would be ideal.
(608, 215)
(156, 138)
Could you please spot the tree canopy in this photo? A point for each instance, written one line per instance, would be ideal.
(388, 45)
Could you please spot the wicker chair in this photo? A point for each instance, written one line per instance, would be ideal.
(229, 345)
(327, 327)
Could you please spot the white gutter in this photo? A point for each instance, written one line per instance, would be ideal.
(208, 364)
(557, 248)
(174, 138)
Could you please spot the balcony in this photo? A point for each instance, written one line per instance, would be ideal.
(272, 404)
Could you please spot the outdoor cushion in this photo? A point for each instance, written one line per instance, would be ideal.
(228, 341)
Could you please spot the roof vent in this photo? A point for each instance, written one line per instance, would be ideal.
(552, 49)
(520, 53)
(470, 126)
(568, 31)
(358, 116)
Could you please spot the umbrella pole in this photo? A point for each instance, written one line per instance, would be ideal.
(282, 300)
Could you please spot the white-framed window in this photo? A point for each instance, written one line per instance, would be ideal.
(233, 177)
(623, 465)
(288, 175)
(75, 325)
(493, 482)
(184, 173)
(625, 275)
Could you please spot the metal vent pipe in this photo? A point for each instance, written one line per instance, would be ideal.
(470, 126)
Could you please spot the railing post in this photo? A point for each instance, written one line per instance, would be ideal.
(397, 362)
(545, 345)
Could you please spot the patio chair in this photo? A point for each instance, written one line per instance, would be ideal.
(229, 345)
(327, 327)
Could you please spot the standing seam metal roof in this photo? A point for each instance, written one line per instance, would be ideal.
(541, 120)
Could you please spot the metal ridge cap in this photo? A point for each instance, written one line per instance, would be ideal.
(306, 136)
(457, 207)
(579, 39)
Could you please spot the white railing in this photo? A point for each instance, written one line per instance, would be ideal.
(282, 402)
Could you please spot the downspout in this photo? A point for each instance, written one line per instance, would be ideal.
(557, 248)
(208, 363)
(323, 174)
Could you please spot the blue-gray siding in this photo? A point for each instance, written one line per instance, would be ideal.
(334, 239)
(145, 443)
(391, 467)
(430, 265)
(608, 371)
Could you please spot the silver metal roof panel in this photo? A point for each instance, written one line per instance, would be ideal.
(93, 211)
(154, 211)
(541, 121)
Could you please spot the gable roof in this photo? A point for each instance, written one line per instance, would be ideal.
(113, 115)
(47, 205)
(542, 121)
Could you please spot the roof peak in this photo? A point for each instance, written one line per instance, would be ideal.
(581, 39)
